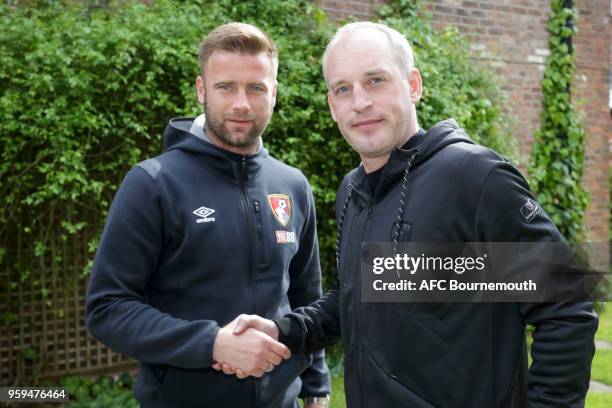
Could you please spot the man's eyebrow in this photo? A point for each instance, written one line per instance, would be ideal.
(336, 83)
(375, 71)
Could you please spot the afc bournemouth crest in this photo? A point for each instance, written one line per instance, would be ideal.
(281, 207)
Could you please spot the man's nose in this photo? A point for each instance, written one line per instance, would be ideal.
(361, 99)
(241, 101)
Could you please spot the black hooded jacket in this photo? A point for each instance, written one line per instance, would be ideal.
(444, 355)
(191, 241)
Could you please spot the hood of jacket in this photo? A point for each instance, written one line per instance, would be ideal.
(402, 160)
(227, 164)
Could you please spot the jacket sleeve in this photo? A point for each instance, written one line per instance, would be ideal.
(117, 312)
(312, 327)
(304, 288)
(317, 325)
(563, 340)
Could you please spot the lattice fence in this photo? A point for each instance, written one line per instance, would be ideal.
(42, 331)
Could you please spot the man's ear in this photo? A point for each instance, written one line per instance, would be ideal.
(331, 107)
(200, 89)
(416, 85)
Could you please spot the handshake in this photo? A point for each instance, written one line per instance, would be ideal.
(248, 346)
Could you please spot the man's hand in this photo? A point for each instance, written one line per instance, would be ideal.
(238, 326)
(251, 353)
(243, 322)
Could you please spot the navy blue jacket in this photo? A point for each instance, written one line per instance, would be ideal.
(445, 355)
(192, 241)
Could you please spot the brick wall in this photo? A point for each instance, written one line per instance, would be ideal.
(362, 9)
(510, 37)
(593, 58)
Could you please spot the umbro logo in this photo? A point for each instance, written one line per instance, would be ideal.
(203, 213)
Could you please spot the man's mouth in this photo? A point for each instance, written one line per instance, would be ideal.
(240, 121)
(366, 124)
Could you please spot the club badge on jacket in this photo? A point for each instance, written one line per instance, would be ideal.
(281, 208)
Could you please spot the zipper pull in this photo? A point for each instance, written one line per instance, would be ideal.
(257, 214)
(243, 168)
(369, 212)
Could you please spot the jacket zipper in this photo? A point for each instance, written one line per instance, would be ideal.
(260, 253)
(250, 239)
(356, 282)
(257, 214)
(358, 304)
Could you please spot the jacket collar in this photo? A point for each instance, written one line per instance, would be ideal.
(229, 165)
(435, 139)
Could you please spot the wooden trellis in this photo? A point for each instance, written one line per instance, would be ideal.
(42, 327)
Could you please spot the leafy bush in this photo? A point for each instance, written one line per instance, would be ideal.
(103, 392)
(87, 91)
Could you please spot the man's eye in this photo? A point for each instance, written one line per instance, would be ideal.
(257, 88)
(342, 90)
(376, 80)
(225, 87)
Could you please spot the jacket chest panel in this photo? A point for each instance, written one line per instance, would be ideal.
(243, 230)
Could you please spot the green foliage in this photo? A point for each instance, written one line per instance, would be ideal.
(86, 91)
(103, 392)
(338, 397)
(602, 366)
(604, 331)
(557, 156)
(598, 400)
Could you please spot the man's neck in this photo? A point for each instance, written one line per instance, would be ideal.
(371, 164)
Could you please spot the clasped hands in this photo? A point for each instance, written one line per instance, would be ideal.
(248, 346)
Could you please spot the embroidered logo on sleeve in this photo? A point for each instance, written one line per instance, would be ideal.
(530, 209)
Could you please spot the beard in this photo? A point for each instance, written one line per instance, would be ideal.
(215, 123)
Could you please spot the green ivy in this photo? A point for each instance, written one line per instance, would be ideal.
(557, 156)
(86, 92)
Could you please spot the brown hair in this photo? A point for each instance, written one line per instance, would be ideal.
(240, 38)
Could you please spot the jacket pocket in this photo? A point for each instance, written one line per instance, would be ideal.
(150, 378)
(389, 386)
(204, 388)
(284, 380)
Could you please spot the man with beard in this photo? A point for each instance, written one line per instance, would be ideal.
(194, 238)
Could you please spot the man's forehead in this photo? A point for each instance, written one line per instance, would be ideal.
(359, 58)
(231, 57)
(365, 44)
(361, 38)
(229, 62)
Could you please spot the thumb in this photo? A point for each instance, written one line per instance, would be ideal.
(242, 323)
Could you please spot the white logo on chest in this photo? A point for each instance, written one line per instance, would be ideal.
(203, 213)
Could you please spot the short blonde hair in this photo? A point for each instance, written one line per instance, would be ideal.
(399, 44)
(240, 38)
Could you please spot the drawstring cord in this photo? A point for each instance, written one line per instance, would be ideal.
(400, 210)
